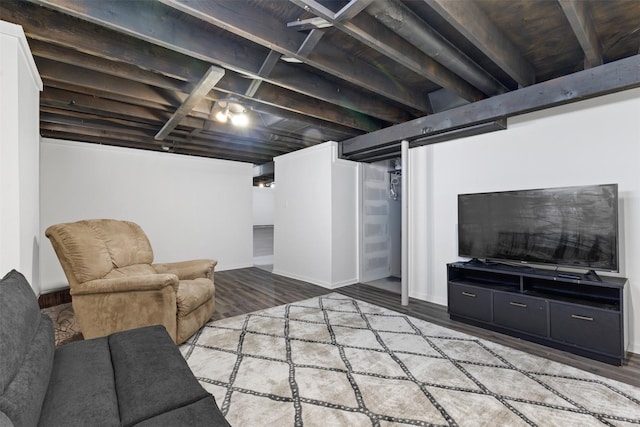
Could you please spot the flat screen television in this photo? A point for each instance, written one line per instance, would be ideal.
(569, 226)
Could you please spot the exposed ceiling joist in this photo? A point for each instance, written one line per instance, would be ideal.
(608, 78)
(310, 42)
(473, 23)
(208, 81)
(400, 19)
(578, 16)
(265, 69)
(351, 9)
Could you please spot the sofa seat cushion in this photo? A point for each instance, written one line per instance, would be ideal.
(203, 412)
(192, 294)
(82, 390)
(146, 359)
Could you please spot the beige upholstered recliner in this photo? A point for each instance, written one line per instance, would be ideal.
(115, 285)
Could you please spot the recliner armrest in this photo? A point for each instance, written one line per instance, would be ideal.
(188, 270)
(126, 284)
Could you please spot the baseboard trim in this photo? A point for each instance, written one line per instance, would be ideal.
(62, 296)
(324, 284)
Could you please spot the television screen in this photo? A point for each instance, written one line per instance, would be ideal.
(569, 226)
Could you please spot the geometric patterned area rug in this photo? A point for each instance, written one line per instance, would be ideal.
(65, 327)
(336, 361)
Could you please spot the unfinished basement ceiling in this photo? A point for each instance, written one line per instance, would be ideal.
(307, 71)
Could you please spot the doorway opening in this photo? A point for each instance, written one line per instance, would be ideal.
(381, 225)
(263, 247)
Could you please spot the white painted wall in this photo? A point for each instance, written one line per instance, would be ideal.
(345, 193)
(315, 217)
(595, 141)
(20, 86)
(189, 207)
(263, 205)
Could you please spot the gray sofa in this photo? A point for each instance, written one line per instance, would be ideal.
(131, 378)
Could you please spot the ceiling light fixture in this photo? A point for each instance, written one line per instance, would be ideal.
(222, 115)
(225, 110)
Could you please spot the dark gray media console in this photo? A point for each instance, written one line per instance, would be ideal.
(581, 314)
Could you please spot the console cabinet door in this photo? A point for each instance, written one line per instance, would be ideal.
(521, 313)
(470, 301)
(587, 327)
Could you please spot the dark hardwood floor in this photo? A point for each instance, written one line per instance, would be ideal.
(245, 290)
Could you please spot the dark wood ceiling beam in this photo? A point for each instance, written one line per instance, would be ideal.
(75, 98)
(53, 52)
(577, 14)
(475, 26)
(370, 32)
(277, 102)
(310, 42)
(208, 81)
(604, 79)
(351, 9)
(182, 38)
(144, 137)
(106, 83)
(77, 117)
(403, 21)
(41, 23)
(265, 70)
(244, 20)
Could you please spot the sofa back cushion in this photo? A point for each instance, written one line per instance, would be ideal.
(26, 353)
(90, 249)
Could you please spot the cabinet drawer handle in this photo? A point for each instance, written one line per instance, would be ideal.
(469, 294)
(518, 304)
(577, 316)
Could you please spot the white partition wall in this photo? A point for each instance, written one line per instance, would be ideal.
(596, 141)
(190, 207)
(20, 87)
(315, 217)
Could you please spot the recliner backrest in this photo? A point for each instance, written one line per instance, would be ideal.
(90, 249)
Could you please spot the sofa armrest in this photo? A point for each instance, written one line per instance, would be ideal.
(188, 270)
(126, 284)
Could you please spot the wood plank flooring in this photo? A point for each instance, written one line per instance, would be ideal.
(246, 290)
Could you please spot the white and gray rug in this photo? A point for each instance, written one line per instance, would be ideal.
(336, 361)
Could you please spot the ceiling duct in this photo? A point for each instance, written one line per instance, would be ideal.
(412, 28)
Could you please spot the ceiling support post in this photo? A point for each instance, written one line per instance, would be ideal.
(404, 201)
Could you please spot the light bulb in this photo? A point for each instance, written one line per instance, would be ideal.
(240, 119)
(221, 116)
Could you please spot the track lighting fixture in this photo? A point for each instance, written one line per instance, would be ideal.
(225, 110)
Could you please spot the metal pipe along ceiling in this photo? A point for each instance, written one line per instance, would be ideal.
(412, 28)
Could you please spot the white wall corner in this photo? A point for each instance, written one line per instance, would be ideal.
(14, 30)
(304, 278)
